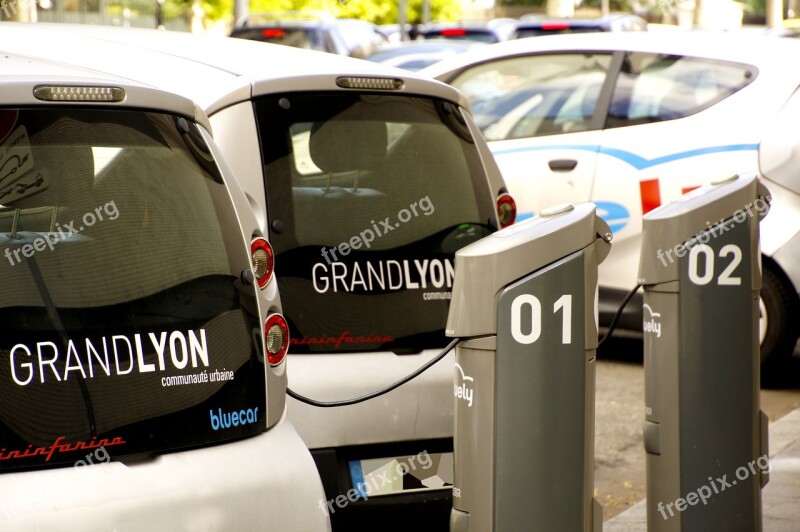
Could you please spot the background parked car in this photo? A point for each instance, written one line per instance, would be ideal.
(393, 34)
(537, 25)
(415, 55)
(362, 37)
(491, 31)
(298, 29)
(631, 120)
(313, 31)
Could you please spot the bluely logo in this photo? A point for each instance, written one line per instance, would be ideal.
(653, 325)
(227, 420)
(463, 391)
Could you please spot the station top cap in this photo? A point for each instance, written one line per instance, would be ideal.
(488, 265)
(675, 223)
(557, 209)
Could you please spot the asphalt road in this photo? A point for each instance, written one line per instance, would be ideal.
(619, 453)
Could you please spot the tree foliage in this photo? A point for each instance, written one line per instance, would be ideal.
(615, 5)
(377, 11)
(214, 9)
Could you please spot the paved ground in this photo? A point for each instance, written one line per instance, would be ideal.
(781, 497)
(619, 454)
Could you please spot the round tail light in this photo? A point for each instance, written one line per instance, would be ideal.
(506, 210)
(276, 338)
(263, 260)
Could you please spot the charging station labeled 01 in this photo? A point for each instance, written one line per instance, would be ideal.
(562, 305)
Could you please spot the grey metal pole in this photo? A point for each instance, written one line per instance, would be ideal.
(159, 14)
(774, 13)
(241, 8)
(402, 18)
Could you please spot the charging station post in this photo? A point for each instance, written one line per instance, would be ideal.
(524, 305)
(704, 432)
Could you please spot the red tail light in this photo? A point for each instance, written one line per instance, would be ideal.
(454, 32)
(273, 33)
(506, 210)
(263, 260)
(550, 26)
(276, 338)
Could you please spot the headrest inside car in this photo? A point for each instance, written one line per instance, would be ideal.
(61, 176)
(347, 145)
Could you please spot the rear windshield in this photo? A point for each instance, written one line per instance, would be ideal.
(123, 327)
(309, 38)
(369, 196)
(521, 33)
(459, 34)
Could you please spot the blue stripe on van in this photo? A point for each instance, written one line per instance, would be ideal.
(638, 162)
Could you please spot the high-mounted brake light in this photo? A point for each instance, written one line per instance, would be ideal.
(272, 33)
(381, 84)
(263, 260)
(78, 94)
(549, 26)
(506, 210)
(453, 32)
(276, 338)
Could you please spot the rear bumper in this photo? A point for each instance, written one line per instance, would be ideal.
(425, 510)
(421, 409)
(266, 482)
(414, 418)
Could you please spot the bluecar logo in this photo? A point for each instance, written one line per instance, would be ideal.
(614, 214)
(653, 324)
(463, 391)
(226, 420)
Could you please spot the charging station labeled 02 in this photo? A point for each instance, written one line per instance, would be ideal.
(562, 305)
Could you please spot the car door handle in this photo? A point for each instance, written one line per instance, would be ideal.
(562, 165)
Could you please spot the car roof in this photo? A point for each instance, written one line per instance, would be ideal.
(537, 19)
(471, 24)
(500, 28)
(428, 45)
(271, 18)
(285, 24)
(755, 50)
(602, 22)
(213, 71)
(20, 74)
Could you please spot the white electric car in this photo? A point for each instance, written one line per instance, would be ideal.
(143, 377)
(366, 179)
(632, 120)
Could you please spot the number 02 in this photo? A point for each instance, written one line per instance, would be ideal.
(726, 277)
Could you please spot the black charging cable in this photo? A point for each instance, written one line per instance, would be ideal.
(431, 362)
(614, 321)
(378, 393)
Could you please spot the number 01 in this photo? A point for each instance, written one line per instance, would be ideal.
(563, 303)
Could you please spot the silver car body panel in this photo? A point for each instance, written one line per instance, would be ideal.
(263, 482)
